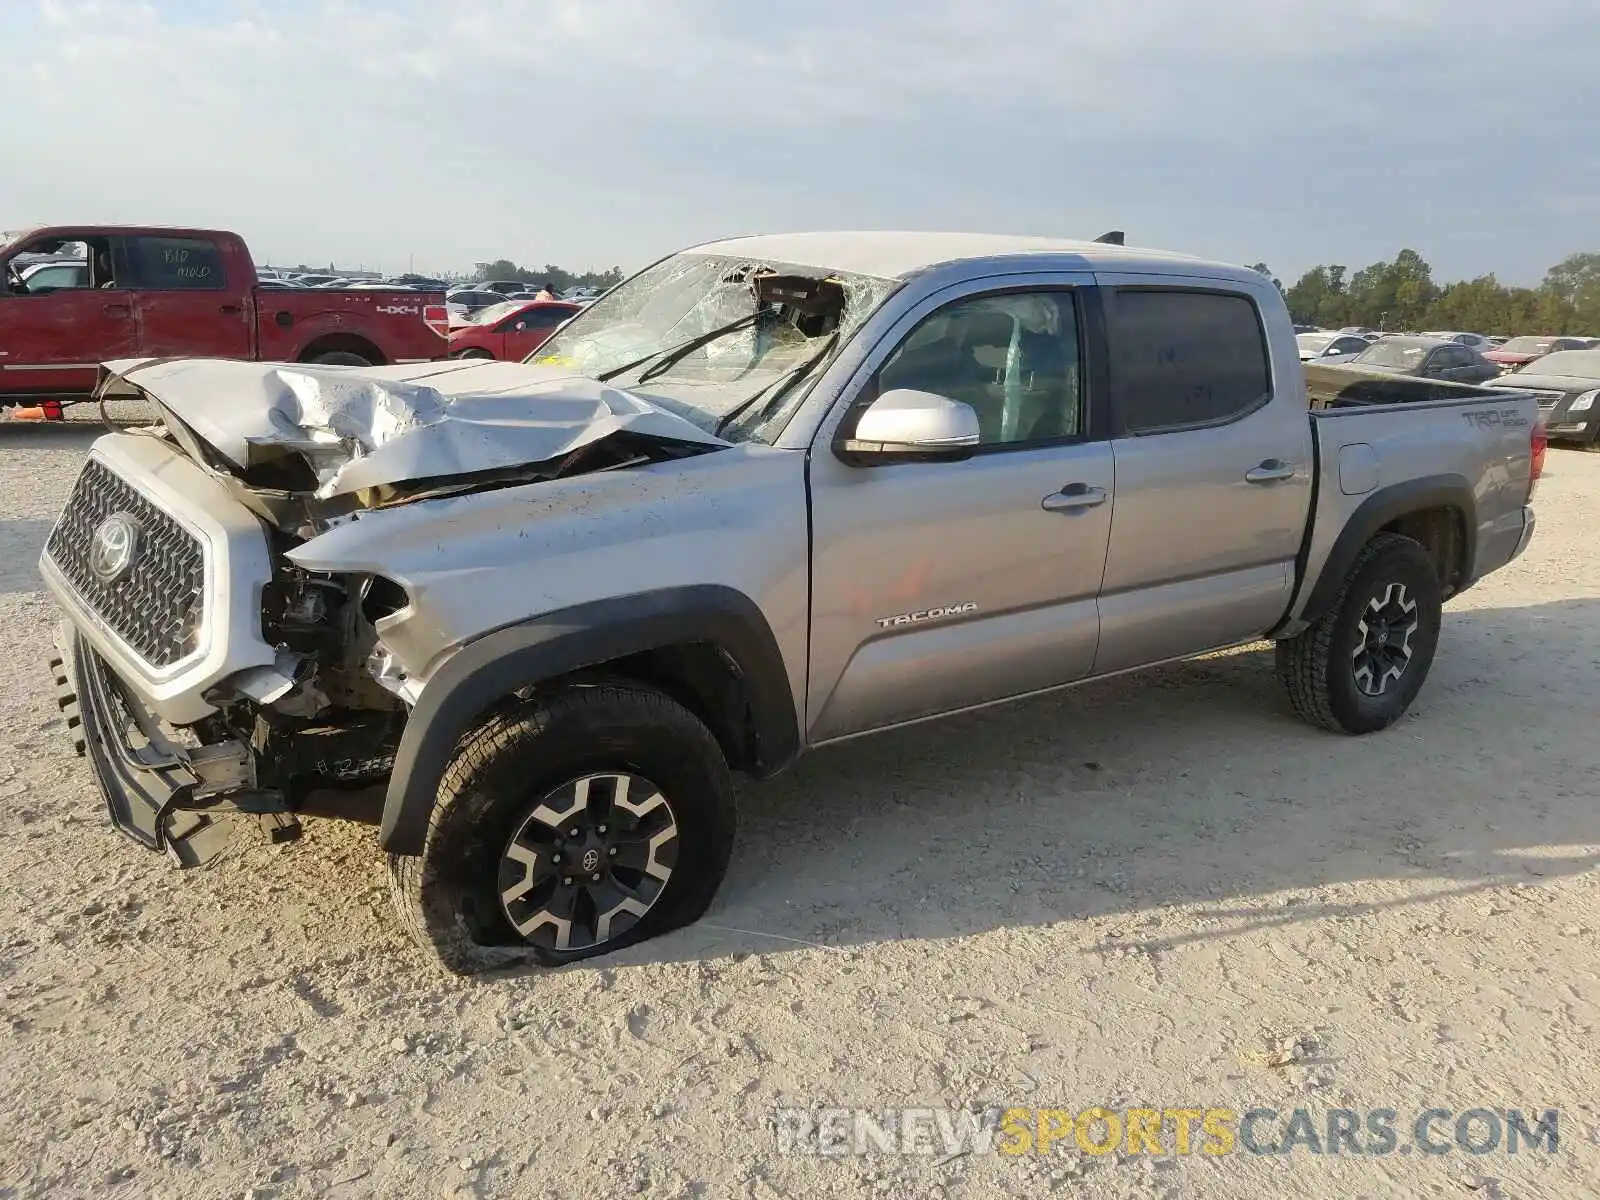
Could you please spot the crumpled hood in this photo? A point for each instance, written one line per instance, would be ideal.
(363, 428)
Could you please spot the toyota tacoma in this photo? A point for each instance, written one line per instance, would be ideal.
(769, 494)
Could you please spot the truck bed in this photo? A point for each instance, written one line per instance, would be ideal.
(1383, 442)
(1352, 387)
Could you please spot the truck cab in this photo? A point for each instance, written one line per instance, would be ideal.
(153, 292)
(144, 292)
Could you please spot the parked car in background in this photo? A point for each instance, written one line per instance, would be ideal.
(1425, 358)
(1567, 386)
(1473, 341)
(1329, 347)
(1519, 351)
(426, 283)
(464, 302)
(157, 293)
(505, 288)
(510, 331)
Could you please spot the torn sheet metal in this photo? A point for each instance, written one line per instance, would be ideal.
(363, 428)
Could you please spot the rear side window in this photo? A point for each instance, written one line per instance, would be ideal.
(169, 264)
(1181, 358)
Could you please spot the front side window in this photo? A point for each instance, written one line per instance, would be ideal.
(174, 264)
(1012, 357)
(56, 277)
(1181, 359)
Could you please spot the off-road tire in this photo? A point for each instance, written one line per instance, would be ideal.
(448, 897)
(1316, 666)
(341, 358)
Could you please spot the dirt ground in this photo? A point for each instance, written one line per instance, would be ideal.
(1158, 891)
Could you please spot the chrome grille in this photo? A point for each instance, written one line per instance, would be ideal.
(1548, 400)
(158, 606)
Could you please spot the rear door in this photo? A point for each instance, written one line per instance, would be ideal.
(185, 303)
(938, 585)
(1214, 470)
(53, 341)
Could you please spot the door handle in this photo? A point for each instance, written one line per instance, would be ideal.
(1270, 471)
(1073, 497)
(233, 310)
(118, 310)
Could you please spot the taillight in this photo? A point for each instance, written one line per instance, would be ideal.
(1538, 443)
(437, 318)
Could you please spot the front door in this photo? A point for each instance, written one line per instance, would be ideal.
(1214, 472)
(531, 328)
(938, 586)
(186, 304)
(53, 340)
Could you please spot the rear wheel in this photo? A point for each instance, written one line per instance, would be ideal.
(1358, 667)
(341, 358)
(475, 353)
(577, 824)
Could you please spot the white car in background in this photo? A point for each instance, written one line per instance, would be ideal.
(1330, 347)
(1472, 341)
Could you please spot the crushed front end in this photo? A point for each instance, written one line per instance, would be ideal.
(207, 679)
(221, 661)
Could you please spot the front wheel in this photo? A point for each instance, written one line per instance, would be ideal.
(475, 353)
(574, 825)
(1359, 666)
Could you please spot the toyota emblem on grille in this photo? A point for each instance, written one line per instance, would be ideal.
(114, 547)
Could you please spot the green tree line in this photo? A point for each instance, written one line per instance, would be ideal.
(1402, 295)
(558, 278)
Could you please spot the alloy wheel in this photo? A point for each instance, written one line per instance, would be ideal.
(588, 862)
(1385, 630)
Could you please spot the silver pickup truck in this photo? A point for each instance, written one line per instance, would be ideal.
(768, 494)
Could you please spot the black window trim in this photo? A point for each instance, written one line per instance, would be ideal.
(1093, 398)
(1119, 428)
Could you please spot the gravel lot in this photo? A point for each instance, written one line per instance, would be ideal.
(1141, 892)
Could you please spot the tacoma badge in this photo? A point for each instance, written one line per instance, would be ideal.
(927, 614)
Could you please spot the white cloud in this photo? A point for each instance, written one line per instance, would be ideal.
(600, 131)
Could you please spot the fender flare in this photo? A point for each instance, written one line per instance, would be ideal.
(487, 670)
(1382, 508)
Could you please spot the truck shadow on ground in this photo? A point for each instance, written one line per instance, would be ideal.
(81, 427)
(20, 544)
(1188, 784)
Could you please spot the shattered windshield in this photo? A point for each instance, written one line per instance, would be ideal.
(705, 334)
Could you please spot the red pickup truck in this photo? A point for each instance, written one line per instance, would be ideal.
(192, 293)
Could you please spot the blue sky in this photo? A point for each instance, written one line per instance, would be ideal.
(600, 132)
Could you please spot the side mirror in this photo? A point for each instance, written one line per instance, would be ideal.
(908, 424)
